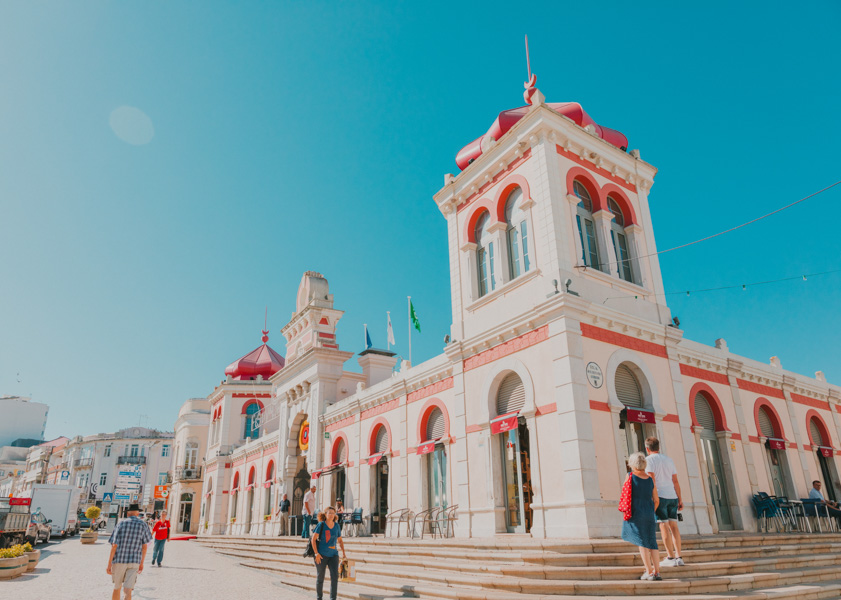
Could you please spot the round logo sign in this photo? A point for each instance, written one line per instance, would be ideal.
(304, 436)
(594, 375)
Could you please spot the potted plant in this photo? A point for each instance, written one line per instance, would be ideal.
(233, 520)
(13, 562)
(33, 555)
(267, 517)
(90, 535)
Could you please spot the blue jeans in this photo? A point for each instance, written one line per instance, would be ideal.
(158, 551)
(305, 531)
(331, 563)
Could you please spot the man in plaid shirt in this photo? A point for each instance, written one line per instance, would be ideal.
(128, 551)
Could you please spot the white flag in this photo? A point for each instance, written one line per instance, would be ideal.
(390, 331)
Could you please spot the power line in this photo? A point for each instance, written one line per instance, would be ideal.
(744, 286)
(715, 235)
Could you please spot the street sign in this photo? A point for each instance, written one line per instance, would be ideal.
(65, 475)
(121, 496)
(108, 497)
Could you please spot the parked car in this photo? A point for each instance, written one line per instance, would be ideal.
(39, 529)
(83, 522)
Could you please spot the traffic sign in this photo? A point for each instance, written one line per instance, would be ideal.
(108, 497)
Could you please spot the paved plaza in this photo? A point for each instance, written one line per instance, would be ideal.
(70, 571)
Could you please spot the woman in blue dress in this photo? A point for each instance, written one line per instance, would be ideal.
(641, 529)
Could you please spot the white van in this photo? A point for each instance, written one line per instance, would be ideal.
(59, 505)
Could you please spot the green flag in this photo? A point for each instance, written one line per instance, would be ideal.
(413, 316)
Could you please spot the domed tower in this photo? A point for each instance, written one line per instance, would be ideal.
(549, 201)
(262, 362)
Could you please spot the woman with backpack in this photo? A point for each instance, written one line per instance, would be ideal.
(328, 533)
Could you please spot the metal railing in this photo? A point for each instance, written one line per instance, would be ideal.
(83, 462)
(131, 460)
(187, 473)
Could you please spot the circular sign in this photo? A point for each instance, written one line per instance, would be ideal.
(304, 436)
(165, 493)
(594, 375)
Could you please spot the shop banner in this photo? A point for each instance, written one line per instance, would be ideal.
(426, 448)
(268, 484)
(640, 416)
(315, 475)
(375, 459)
(826, 452)
(20, 501)
(504, 423)
(776, 444)
(161, 491)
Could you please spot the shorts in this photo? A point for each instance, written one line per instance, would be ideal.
(124, 575)
(667, 510)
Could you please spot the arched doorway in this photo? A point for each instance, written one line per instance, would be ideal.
(819, 435)
(249, 500)
(434, 430)
(636, 421)
(378, 464)
(234, 497)
(297, 444)
(768, 426)
(267, 490)
(185, 512)
(512, 435)
(339, 458)
(709, 420)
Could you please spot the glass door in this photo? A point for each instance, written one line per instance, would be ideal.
(715, 481)
(437, 477)
(512, 481)
(777, 477)
(829, 480)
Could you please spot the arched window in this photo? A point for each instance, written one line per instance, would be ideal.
(381, 442)
(340, 451)
(435, 425)
(766, 423)
(586, 226)
(628, 388)
(517, 235)
(815, 430)
(250, 430)
(485, 256)
(704, 412)
(511, 396)
(620, 241)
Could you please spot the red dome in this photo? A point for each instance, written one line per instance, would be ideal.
(262, 361)
(508, 118)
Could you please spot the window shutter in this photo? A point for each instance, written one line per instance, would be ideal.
(381, 445)
(435, 425)
(628, 388)
(766, 428)
(341, 451)
(817, 438)
(511, 395)
(704, 413)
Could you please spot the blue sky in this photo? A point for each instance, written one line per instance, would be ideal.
(312, 135)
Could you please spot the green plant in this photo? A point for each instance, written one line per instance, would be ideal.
(27, 547)
(206, 524)
(233, 519)
(93, 514)
(13, 552)
(266, 517)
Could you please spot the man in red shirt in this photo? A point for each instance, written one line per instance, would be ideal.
(161, 531)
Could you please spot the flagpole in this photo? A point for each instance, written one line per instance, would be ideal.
(409, 308)
(388, 331)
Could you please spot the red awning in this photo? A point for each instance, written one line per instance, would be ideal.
(234, 490)
(775, 444)
(426, 447)
(268, 484)
(372, 460)
(315, 474)
(640, 416)
(825, 452)
(249, 486)
(504, 423)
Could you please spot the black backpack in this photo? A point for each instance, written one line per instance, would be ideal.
(310, 552)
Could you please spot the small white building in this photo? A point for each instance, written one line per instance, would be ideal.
(191, 432)
(20, 418)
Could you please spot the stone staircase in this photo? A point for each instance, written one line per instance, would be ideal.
(737, 566)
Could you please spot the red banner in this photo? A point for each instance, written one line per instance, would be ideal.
(504, 423)
(426, 448)
(776, 444)
(375, 459)
(268, 484)
(20, 501)
(825, 452)
(315, 475)
(640, 416)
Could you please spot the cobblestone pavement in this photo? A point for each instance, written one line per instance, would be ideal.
(70, 571)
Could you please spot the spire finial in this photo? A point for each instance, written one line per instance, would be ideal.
(530, 84)
(265, 337)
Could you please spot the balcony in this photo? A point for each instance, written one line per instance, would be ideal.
(131, 460)
(82, 463)
(187, 473)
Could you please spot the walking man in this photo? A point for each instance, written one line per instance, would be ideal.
(129, 542)
(284, 515)
(662, 469)
(161, 531)
(308, 512)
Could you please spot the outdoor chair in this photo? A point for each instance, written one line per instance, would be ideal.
(355, 521)
(424, 516)
(820, 513)
(399, 516)
(765, 510)
(450, 517)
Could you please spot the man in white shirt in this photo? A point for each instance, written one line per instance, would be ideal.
(308, 512)
(831, 507)
(662, 470)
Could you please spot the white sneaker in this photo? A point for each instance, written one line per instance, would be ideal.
(647, 576)
(668, 562)
(679, 562)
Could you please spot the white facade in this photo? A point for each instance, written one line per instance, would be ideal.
(191, 433)
(20, 418)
